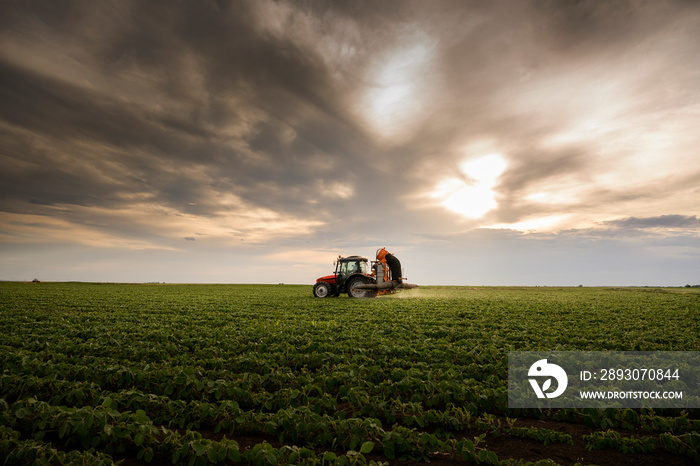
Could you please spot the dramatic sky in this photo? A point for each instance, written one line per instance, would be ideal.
(484, 143)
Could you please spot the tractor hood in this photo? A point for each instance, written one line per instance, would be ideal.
(327, 278)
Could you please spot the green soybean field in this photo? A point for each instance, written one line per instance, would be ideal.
(267, 374)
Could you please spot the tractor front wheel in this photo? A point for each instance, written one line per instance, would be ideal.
(322, 290)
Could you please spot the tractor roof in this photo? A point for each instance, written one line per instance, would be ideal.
(353, 258)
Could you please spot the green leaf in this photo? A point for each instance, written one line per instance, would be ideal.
(493, 457)
(366, 447)
(389, 451)
(199, 448)
(234, 455)
(141, 416)
(468, 445)
(211, 454)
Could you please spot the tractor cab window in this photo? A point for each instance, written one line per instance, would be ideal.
(348, 268)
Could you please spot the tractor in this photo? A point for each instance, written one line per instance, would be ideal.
(355, 277)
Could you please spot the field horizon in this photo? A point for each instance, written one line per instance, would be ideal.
(467, 286)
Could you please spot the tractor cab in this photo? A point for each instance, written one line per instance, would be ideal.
(346, 266)
(349, 271)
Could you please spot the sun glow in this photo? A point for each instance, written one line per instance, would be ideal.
(472, 194)
(547, 223)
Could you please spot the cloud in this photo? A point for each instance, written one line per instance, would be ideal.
(34, 229)
(251, 116)
(305, 257)
(145, 224)
(289, 124)
(675, 222)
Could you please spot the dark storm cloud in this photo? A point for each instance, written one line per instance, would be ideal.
(662, 221)
(275, 98)
(85, 148)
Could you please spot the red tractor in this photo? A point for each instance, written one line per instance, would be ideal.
(353, 276)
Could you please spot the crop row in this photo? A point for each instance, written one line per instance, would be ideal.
(687, 444)
(113, 432)
(362, 388)
(116, 433)
(356, 400)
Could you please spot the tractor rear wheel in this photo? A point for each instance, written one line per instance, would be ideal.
(353, 293)
(322, 290)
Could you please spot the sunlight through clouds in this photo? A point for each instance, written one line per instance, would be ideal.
(398, 88)
(539, 224)
(472, 195)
